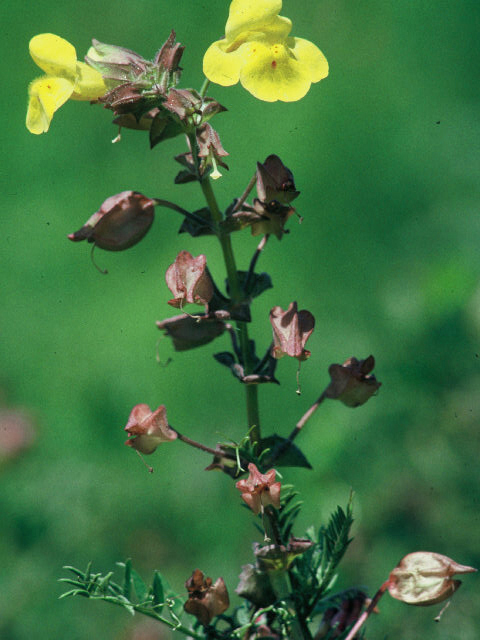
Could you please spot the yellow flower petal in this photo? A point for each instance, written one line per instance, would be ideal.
(310, 56)
(54, 55)
(221, 67)
(47, 94)
(89, 83)
(250, 15)
(272, 73)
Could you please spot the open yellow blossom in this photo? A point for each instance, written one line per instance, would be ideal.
(65, 78)
(258, 51)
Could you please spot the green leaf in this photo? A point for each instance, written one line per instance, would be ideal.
(121, 600)
(291, 457)
(139, 586)
(158, 591)
(334, 538)
(74, 592)
(74, 583)
(77, 572)
(185, 176)
(196, 229)
(127, 580)
(243, 616)
(162, 128)
(256, 284)
(228, 360)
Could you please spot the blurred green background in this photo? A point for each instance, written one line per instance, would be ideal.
(386, 155)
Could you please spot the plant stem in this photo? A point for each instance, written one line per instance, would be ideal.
(301, 423)
(194, 443)
(283, 446)
(204, 88)
(253, 262)
(251, 392)
(151, 614)
(367, 612)
(245, 194)
(280, 581)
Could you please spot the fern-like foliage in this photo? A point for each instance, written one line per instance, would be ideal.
(313, 573)
(334, 540)
(157, 601)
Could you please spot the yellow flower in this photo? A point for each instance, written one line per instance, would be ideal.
(258, 51)
(65, 78)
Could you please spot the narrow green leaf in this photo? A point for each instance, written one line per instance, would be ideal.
(127, 579)
(77, 572)
(158, 592)
(74, 592)
(74, 583)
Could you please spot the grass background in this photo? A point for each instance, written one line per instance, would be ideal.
(386, 155)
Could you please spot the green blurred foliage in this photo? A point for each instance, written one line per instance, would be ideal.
(386, 155)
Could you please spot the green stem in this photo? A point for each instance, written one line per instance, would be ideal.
(251, 391)
(151, 614)
(281, 586)
(204, 88)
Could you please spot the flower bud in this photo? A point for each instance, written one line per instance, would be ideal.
(148, 428)
(188, 280)
(424, 578)
(205, 601)
(122, 221)
(291, 330)
(351, 383)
